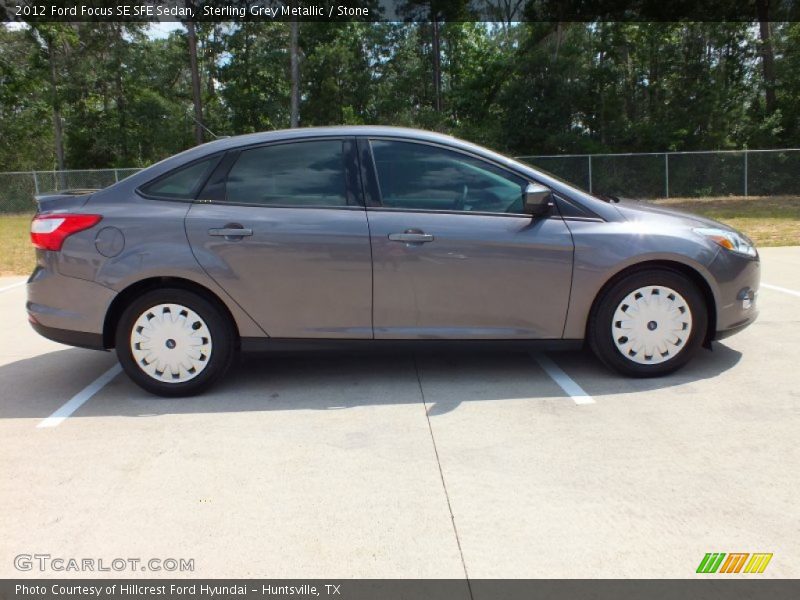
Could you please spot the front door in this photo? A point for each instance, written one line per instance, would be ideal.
(285, 235)
(453, 255)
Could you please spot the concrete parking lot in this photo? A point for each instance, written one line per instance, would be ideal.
(451, 466)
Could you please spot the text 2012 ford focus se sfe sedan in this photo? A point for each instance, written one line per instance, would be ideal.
(365, 236)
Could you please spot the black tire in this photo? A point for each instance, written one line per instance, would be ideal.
(216, 364)
(600, 335)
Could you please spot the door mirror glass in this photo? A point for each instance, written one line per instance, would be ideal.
(537, 199)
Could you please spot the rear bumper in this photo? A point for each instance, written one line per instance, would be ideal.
(66, 309)
(81, 339)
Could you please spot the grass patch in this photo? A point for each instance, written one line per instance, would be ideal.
(17, 256)
(768, 221)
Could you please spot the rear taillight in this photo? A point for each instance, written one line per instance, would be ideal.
(48, 232)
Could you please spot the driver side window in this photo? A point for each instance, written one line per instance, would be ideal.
(424, 177)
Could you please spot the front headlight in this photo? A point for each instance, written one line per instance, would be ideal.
(730, 240)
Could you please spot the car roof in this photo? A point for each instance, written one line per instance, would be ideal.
(279, 135)
(333, 131)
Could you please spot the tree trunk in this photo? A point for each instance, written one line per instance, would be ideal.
(210, 56)
(58, 131)
(437, 66)
(601, 93)
(198, 106)
(558, 34)
(767, 54)
(294, 59)
(121, 97)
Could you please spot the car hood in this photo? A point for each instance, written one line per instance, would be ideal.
(637, 210)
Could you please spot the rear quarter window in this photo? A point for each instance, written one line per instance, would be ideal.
(182, 183)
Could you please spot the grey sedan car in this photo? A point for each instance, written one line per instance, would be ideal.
(374, 236)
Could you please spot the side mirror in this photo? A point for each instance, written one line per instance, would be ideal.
(537, 199)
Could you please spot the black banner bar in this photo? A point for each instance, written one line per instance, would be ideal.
(398, 10)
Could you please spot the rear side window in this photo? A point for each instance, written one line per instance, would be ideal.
(297, 174)
(182, 183)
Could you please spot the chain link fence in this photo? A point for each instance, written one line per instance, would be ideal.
(679, 174)
(17, 188)
(646, 175)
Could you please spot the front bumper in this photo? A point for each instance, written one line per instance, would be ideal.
(737, 278)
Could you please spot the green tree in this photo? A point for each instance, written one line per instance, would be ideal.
(254, 78)
(26, 132)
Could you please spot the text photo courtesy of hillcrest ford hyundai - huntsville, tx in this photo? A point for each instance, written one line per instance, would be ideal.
(398, 300)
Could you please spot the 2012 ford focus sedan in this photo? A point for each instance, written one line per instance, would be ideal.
(365, 236)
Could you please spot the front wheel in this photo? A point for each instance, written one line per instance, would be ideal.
(649, 323)
(172, 342)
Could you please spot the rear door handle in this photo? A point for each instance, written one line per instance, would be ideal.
(230, 232)
(411, 237)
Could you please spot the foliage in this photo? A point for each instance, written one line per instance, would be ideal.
(125, 98)
(25, 129)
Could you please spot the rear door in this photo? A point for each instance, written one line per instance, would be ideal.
(282, 229)
(453, 255)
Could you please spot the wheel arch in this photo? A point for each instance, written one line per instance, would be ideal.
(687, 271)
(134, 290)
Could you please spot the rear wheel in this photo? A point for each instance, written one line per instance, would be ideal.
(649, 323)
(172, 342)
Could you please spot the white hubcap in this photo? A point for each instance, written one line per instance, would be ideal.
(171, 343)
(651, 325)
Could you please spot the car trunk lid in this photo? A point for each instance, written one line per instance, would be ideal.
(62, 200)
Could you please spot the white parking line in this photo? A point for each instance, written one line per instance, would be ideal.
(80, 398)
(564, 381)
(12, 286)
(777, 288)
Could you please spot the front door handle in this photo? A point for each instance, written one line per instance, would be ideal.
(230, 232)
(411, 236)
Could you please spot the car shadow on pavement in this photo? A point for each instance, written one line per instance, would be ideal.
(597, 380)
(35, 387)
